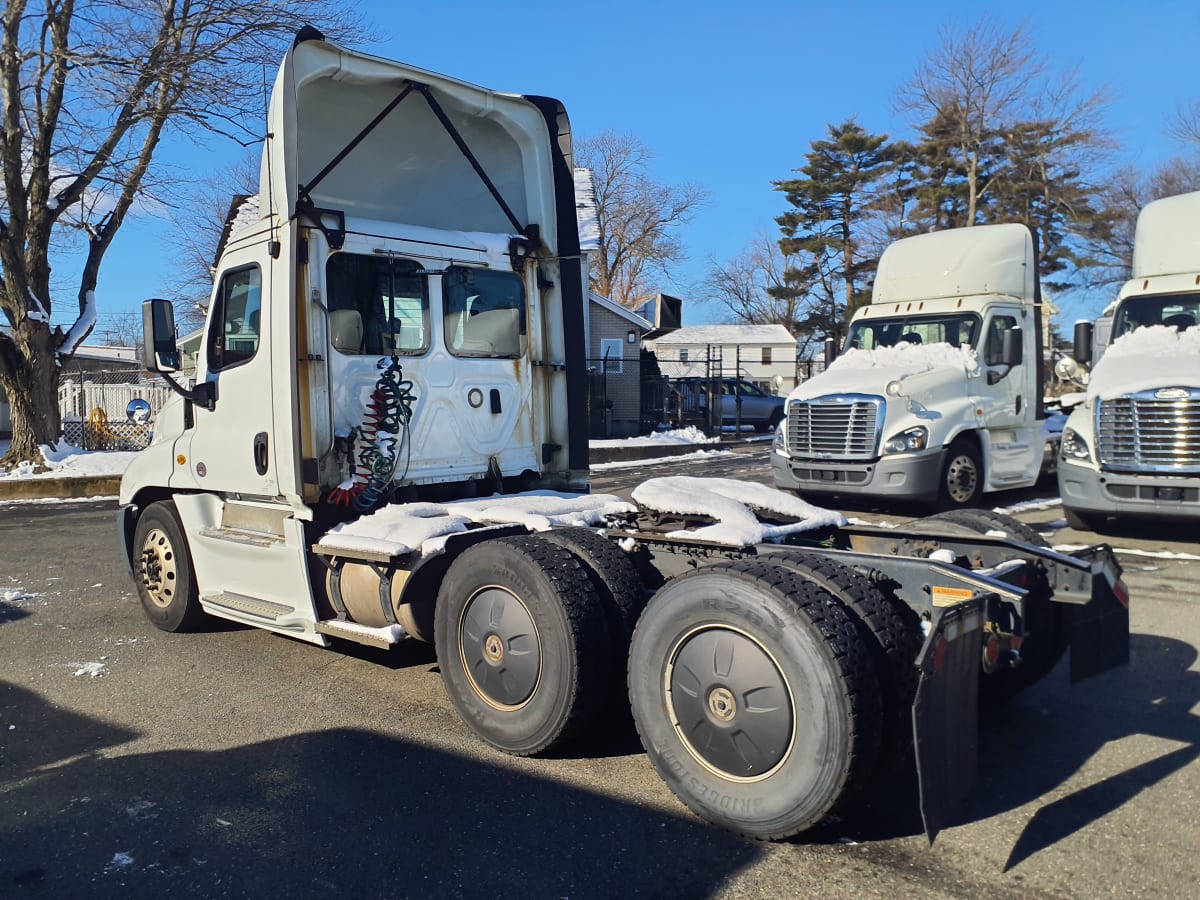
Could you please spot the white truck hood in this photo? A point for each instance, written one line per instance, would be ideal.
(870, 371)
(1152, 357)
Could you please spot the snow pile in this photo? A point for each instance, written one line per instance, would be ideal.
(398, 529)
(689, 435)
(17, 595)
(694, 456)
(730, 502)
(91, 669)
(67, 461)
(909, 359)
(1147, 358)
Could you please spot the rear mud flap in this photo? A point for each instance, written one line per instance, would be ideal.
(945, 712)
(1098, 630)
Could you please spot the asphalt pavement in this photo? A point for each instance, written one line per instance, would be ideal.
(237, 763)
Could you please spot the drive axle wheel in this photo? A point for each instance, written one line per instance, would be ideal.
(162, 569)
(755, 696)
(522, 643)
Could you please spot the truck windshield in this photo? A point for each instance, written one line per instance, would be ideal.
(959, 330)
(390, 298)
(485, 312)
(1176, 310)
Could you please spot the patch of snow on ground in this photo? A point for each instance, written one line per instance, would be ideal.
(682, 457)
(90, 669)
(1153, 554)
(689, 435)
(68, 461)
(1029, 506)
(729, 502)
(18, 594)
(398, 529)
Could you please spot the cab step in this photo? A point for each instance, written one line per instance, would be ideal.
(242, 536)
(247, 606)
(383, 638)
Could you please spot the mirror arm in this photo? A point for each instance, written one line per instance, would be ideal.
(994, 377)
(204, 394)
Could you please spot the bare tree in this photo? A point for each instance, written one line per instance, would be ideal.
(638, 216)
(88, 89)
(1184, 126)
(968, 89)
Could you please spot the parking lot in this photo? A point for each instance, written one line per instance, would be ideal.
(234, 762)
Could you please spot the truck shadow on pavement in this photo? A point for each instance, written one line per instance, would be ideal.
(1030, 750)
(344, 812)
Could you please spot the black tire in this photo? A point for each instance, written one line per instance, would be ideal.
(771, 424)
(712, 638)
(981, 521)
(961, 483)
(614, 576)
(162, 570)
(527, 593)
(1046, 641)
(892, 630)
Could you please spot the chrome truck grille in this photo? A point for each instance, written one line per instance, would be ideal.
(844, 427)
(1151, 431)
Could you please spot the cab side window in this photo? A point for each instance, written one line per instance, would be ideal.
(234, 326)
(993, 348)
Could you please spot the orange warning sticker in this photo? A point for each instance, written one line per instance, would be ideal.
(948, 596)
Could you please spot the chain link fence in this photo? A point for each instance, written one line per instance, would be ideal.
(94, 406)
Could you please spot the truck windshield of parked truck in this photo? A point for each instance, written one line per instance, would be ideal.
(955, 330)
(1180, 311)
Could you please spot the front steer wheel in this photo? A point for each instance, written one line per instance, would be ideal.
(756, 697)
(523, 643)
(162, 570)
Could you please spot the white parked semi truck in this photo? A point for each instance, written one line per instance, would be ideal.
(386, 441)
(1132, 449)
(937, 395)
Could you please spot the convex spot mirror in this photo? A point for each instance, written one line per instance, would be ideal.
(138, 411)
(160, 350)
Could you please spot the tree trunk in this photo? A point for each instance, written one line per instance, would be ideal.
(31, 385)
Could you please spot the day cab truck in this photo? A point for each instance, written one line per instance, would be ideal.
(386, 441)
(936, 398)
(1132, 448)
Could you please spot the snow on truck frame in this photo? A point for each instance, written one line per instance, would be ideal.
(385, 442)
(1133, 447)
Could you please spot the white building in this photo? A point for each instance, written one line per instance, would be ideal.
(763, 354)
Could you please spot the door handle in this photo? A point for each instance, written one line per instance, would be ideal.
(1018, 404)
(260, 453)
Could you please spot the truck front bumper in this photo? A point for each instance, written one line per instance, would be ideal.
(914, 476)
(1088, 491)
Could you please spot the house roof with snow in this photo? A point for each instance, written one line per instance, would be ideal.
(616, 308)
(729, 334)
(587, 213)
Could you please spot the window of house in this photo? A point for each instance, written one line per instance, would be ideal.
(234, 325)
(683, 354)
(378, 305)
(610, 355)
(766, 356)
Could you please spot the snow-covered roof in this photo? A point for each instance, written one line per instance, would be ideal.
(728, 334)
(617, 309)
(586, 212)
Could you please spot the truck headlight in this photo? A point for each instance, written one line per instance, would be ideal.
(780, 437)
(1073, 446)
(908, 440)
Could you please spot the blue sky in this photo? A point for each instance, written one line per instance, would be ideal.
(730, 96)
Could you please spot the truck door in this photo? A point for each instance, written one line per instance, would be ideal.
(231, 448)
(1009, 406)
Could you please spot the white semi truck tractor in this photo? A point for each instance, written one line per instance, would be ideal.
(385, 442)
(1132, 449)
(937, 396)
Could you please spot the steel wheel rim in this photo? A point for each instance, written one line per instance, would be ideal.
(961, 478)
(730, 703)
(500, 648)
(158, 569)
